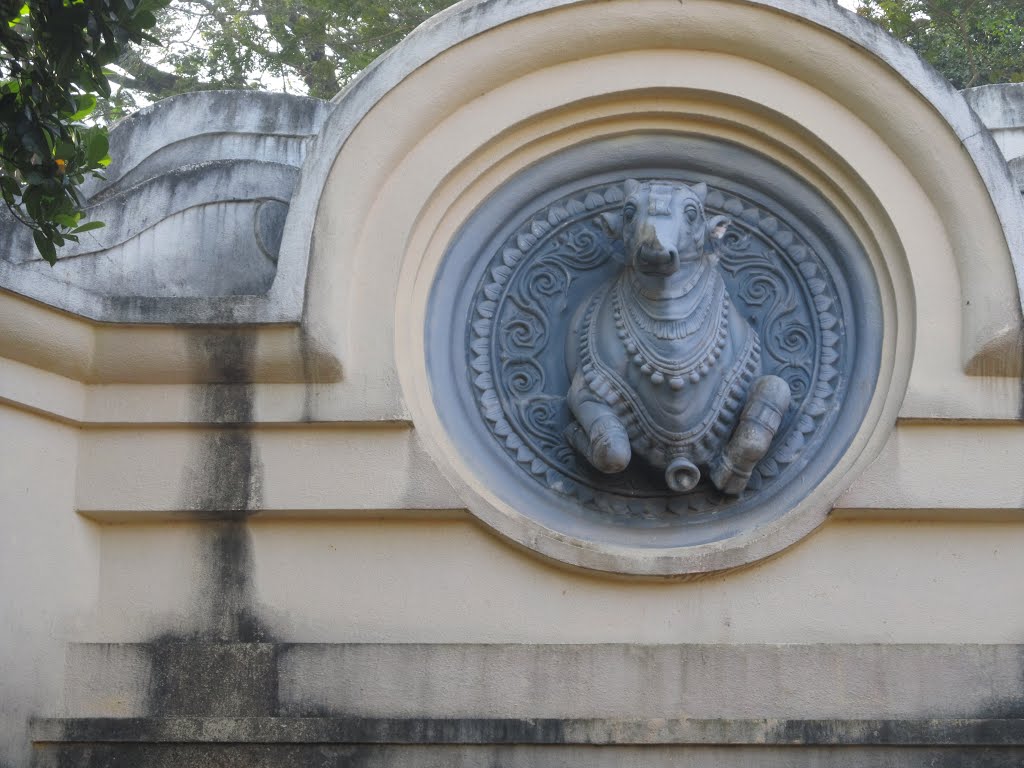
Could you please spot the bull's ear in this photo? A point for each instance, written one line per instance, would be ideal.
(701, 191)
(630, 186)
(611, 223)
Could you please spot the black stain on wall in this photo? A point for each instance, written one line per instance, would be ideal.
(1006, 707)
(226, 482)
(226, 663)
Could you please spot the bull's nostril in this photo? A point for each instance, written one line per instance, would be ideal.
(657, 257)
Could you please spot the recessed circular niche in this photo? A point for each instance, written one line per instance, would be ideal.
(498, 325)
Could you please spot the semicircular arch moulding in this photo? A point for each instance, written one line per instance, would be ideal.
(835, 258)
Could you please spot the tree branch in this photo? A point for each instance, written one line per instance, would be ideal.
(152, 81)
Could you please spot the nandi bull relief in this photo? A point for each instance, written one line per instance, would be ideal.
(662, 365)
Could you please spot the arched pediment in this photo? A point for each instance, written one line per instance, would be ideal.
(487, 97)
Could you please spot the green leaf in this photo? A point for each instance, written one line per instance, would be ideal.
(88, 227)
(30, 196)
(10, 186)
(21, 15)
(97, 147)
(64, 151)
(86, 104)
(45, 247)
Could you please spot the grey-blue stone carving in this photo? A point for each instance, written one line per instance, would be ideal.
(662, 363)
(535, 318)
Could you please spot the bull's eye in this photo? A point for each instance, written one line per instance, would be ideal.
(691, 213)
(629, 212)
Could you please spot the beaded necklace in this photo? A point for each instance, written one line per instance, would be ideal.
(635, 327)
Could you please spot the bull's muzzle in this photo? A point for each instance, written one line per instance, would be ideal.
(656, 258)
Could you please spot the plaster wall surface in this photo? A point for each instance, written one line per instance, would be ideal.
(624, 681)
(570, 757)
(450, 581)
(1001, 108)
(342, 471)
(48, 570)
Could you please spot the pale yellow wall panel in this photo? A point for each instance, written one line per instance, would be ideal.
(945, 467)
(48, 569)
(450, 581)
(291, 469)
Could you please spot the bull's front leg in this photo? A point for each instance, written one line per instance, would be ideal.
(597, 432)
(767, 403)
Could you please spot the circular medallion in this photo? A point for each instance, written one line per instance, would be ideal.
(535, 265)
(557, 257)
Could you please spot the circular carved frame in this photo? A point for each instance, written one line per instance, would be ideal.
(792, 292)
(523, 260)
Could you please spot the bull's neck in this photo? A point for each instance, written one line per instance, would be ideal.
(673, 294)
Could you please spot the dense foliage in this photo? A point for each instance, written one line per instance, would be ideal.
(316, 46)
(971, 42)
(52, 59)
(306, 46)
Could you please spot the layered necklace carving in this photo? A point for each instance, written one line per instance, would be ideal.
(644, 330)
(618, 347)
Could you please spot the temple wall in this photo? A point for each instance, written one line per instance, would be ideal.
(235, 528)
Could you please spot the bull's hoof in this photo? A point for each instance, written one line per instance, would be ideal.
(767, 402)
(682, 475)
(609, 446)
(727, 478)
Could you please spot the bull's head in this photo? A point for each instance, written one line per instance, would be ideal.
(663, 226)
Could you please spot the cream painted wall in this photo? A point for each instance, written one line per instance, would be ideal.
(965, 470)
(449, 581)
(453, 582)
(48, 570)
(355, 537)
(937, 514)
